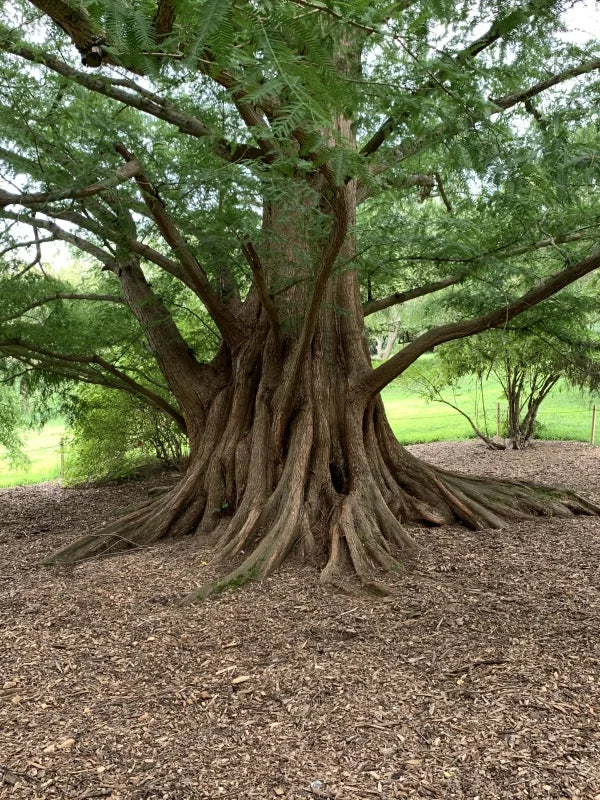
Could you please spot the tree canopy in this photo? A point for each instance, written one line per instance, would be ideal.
(235, 184)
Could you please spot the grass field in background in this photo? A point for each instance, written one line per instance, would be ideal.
(42, 448)
(566, 414)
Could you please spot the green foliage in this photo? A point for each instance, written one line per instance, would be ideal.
(11, 422)
(556, 340)
(111, 435)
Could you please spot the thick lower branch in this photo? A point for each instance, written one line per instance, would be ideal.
(106, 298)
(545, 288)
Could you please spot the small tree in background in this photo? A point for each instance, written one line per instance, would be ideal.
(527, 362)
(11, 419)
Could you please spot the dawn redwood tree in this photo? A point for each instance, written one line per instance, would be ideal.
(259, 158)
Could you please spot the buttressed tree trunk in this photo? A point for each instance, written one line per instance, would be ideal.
(303, 458)
(290, 448)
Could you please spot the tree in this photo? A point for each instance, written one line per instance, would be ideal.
(261, 157)
(11, 414)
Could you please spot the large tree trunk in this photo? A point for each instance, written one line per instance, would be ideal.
(289, 449)
(332, 482)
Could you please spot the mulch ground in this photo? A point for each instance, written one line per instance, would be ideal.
(479, 679)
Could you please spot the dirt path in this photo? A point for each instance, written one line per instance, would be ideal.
(480, 679)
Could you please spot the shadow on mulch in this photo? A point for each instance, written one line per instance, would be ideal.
(479, 679)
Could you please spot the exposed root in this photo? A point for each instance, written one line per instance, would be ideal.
(483, 503)
(280, 520)
(175, 513)
(133, 530)
(266, 556)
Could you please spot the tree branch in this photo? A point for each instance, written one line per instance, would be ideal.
(186, 377)
(224, 319)
(443, 133)
(109, 298)
(111, 234)
(545, 288)
(332, 13)
(258, 275)
(498, 29)
(18, 245)
(28, 351)
(136, 97)
(66, 236)
(510, 100)
(410, 294)
(442, 191)
(121, 175)
(184, 374)
(79, 27)
(406, 181)
(371, 306)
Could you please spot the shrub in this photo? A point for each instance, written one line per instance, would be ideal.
(112, 434)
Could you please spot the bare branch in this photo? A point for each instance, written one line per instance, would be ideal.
(434, 393)
(37, 259)
(30, 243)
(332, 13)
(111, 234)
(66, 236)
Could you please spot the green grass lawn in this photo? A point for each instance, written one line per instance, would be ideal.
(42, 448)
(566, 414)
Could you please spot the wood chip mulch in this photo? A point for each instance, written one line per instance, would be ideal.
(479, 679)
